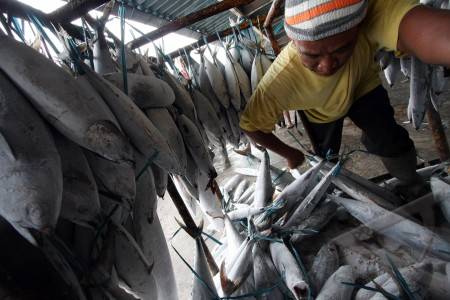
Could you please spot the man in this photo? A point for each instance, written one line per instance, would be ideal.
(328, 72)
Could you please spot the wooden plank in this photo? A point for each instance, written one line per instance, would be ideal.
(74, 10)
(187, 21)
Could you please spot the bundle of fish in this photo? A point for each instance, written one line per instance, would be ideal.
(83, 164)
(427, 82)
(299, 241)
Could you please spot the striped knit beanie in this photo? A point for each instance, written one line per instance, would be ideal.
(312, 20)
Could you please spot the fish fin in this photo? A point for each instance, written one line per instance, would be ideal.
(228, 286)
(6, 148)
(25, 233)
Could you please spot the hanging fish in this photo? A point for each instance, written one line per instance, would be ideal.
(30, 177)
(146, 92)
(419, 92)
(86, 121)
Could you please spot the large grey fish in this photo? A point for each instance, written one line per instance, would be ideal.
(244, 84)
(234, 238)
(207, 90)
(438, 85)
(207, 115)
(113, 178)
(63, 103)
(217, 82)
(80, 203)
(232, 183)
(265, 275)
(357, 191)
(240, 189)
(169, 130)
(248, 193)
(305, 208)
(318, 219)
(384, 58)
(103, 62)
(234, 273)
(259, 68)
(191, 174)
(189, 201)
(183, 101)
(64, 269)
(146, 92)
(334, 289)
(195, 145)
(245, 213)
(133, 267)
(392, 71)
(419, 92)
(161, 178)
(416, 276)
(326, 262)
(232, 82)
(199, 290)
(141, 131)
(31, 182)
(263, 187)
(233, 120)
(441, 194)
(396, 227)
(280, 178)
(289, 270)
(295, 191)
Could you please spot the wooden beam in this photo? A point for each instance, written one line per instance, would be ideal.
(274, 11)
(186, 21)
(74, 9)
(21, 10)
(213, 37)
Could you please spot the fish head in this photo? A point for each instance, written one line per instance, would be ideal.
(108, 141)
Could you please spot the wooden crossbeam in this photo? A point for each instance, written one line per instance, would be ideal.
(74, 10)
(187, 21)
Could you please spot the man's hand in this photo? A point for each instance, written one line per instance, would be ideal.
(295, 159)
(293, 156)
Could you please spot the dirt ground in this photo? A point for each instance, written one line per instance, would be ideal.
(361, 163)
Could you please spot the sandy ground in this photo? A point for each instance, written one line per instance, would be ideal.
(363, 164)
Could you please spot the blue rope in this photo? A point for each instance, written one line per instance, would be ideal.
(147, 164)
(18, 28)
(122, 47)
(35, 20)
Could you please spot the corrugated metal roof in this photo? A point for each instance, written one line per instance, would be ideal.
(173, 9)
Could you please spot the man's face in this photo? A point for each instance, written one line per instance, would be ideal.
(325, 57)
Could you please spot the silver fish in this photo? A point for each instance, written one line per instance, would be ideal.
(392, 71)
(85, 121)
(396, 227)
(240, 189)
(141, 131)
(199, 290)
(287, 266)
(114, 178)
(31, 178)
(441, 194)
(195, 145)
(183, 101)
(263, 187)
(334, 289)
(166, 125)
(133, 267)
(80, 202)
(325, 264)
(418, 99)
(145, 91)
(207, 115)
(217, 82)
(232, 82)
(103, 62)
(209, 203)
(61, 265)
(161, 178)
(310, 202)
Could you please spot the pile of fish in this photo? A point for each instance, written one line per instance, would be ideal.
(305, 238)
(86, 155)
(427, 82)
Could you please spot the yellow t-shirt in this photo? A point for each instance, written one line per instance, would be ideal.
(288, 85)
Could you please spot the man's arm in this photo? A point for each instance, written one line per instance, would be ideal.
(425, 33)
(293, 156)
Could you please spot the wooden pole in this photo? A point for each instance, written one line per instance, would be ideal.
(213, 37)
(189, 222)
(274, 11)
(186, 21)
(74, 10)
(438, 133)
